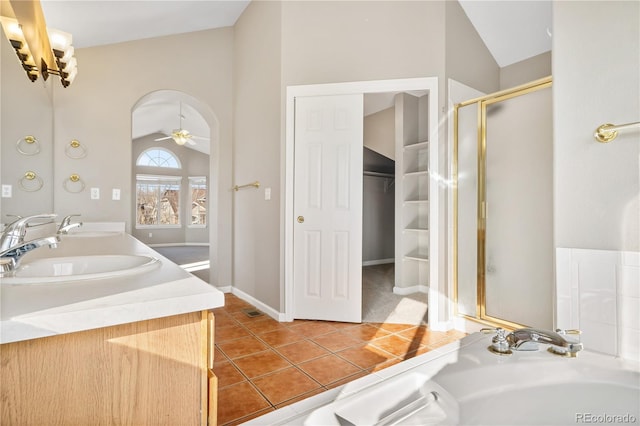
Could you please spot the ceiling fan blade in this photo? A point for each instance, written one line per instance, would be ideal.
(200, 137)
(190, 142)
(163, 139)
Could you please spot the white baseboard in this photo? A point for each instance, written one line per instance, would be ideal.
(225, 288)
(378, 262)
(403, 291)
(442, 326)
(467, 326)
(102, 226)
(178, 244)
(278, 316)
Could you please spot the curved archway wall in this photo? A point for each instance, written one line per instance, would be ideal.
(97, 111)
(194, 163)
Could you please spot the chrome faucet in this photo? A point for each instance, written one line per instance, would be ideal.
(66, 225)
(13, 246)
(528, 339)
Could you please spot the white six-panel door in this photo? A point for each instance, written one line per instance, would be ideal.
(328, 208)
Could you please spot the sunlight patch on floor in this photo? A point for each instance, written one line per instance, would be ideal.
(195, 266)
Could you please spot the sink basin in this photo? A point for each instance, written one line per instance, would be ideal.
(75, 268)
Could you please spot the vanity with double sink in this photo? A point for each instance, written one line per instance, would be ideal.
(100, 329)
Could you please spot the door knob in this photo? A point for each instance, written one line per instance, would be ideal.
(300, 219)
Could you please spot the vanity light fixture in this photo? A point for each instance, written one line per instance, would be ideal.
(65, 66)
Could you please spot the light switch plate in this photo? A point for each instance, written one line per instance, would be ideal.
(267, 194)
(115, 194)
(95, 193)
(6, 191)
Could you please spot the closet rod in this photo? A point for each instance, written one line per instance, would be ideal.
(608, 132)
(379, 174)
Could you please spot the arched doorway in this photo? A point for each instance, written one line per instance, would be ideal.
(174, 171)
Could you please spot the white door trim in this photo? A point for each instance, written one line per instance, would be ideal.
(437, 289)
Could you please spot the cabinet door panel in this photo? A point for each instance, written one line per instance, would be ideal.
(147, 372)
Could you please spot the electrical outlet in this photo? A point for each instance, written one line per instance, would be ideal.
(115, 194)
(95, 193)
(6, 191)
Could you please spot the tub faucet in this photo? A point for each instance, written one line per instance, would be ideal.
(66, 225)
(13, 246)
(528, 339)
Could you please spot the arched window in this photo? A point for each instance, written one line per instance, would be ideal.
(158, 195)
(158, 157)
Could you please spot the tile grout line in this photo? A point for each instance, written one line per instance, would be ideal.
(237, 308)
(295, 365)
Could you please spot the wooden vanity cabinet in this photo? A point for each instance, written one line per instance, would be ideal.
(154, 372)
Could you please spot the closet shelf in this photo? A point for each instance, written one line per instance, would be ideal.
(416, 256)
(413, 219)
(419, 145)
(416, 230)
(417, 173)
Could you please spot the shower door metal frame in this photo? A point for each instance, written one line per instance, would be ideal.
(482, 103)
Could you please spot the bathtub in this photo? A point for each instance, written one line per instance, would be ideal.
(463, 383)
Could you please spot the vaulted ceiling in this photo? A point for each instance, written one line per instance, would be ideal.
(512, 31)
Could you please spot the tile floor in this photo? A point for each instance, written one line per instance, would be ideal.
(263, 364)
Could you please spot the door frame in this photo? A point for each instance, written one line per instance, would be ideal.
(437, 314)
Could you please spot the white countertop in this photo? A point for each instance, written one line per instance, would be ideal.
(35, 310)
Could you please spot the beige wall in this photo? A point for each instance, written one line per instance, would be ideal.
(379, 132)
(597, 186)
(256, 156)
(96, 110)
(525, 71)
(467, 58)
(25, 109)
(325, 42)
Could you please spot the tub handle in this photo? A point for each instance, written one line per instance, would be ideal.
(499, 344)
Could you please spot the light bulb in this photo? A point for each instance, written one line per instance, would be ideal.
(69, 66)
(12, 29)
(72, 75)
(68, 54)
(59, 39)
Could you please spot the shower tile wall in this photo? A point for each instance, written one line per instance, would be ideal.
(598, 292)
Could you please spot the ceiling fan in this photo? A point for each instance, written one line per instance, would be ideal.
(180, 135)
